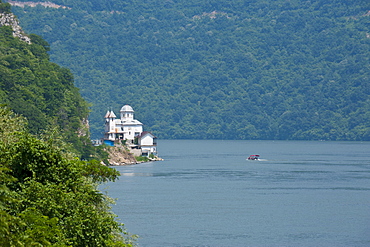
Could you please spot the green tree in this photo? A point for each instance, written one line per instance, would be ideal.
(50, 199)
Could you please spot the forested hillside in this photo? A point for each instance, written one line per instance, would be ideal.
(38, 89)
(219, 69)
(48, 197)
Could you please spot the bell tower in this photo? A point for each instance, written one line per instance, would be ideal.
(109, 125)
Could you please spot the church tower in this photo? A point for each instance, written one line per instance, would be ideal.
(109, 125)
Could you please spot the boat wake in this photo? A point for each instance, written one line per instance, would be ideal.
(257, 159)
(262, 160)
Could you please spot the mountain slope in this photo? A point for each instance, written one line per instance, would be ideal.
(218, 69)
(38, 89)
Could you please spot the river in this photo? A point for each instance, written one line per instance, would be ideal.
(205, 193)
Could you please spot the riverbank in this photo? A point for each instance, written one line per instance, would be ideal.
(121, 155)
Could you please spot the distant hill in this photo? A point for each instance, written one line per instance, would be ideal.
(218, 69)
(38, 89)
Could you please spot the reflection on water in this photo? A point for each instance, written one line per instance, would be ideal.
(138, 174)
(205, 193)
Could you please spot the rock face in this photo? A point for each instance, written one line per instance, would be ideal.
(8, 19)
(83, 130)
(34, 4)
(119, 155)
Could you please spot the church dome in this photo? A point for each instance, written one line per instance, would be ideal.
(126, 108)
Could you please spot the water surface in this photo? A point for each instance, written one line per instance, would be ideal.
(205, 193)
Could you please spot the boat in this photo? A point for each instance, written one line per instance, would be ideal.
(253, 157)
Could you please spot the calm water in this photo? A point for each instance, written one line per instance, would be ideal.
(206, 193)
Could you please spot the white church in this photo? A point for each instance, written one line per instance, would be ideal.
(129, 129)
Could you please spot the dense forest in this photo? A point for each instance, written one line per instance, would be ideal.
(48, 196)
(41, 91)
(218, 69)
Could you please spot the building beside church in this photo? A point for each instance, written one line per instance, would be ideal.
(147, 143)
(129, 129)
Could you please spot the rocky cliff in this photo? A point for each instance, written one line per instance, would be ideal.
(8, 19)
(120, 155)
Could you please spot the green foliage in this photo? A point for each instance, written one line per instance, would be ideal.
(10, 124)
(42, 91)
(142, 158)
(99, 173)
(226, 69)
(50, 199)
(5, 7)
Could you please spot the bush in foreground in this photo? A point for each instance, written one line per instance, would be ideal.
(50, 199)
